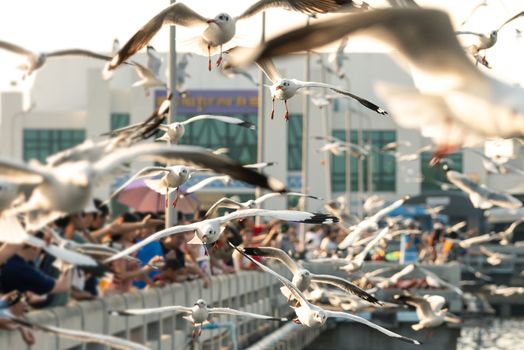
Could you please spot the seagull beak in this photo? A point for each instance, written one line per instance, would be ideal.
(209, 21)
(279, 87)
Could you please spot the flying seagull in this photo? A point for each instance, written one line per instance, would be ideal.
(484, 42)
(208, 231)
(284, 89)
(313, 316)
(225, 202)
(455, 104)
(479, 195)
(198, 314)
(68, 187)
(302, 278)
(336, 147)
(172, 178)
(173, 132)
(219, 30)
(430, 311)
(36, 60)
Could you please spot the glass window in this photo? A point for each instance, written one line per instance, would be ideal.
(294, 142)
(119, 120)
(241, 142)
(382, 166)
(434, 176)
(41, 143)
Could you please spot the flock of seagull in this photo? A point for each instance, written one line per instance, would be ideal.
(454, 103)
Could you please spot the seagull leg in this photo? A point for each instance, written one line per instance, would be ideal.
(200, 330)
(286, 116)
(193, 332)
(273, 108)
(209, 57)
(176, 199)
(167, 197)
(297, 321)
(219, 61)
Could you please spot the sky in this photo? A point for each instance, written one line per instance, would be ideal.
(45, 25)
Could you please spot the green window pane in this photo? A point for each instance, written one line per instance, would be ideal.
(294, 142)
(382, 166)
(41, 143)
(119, 120)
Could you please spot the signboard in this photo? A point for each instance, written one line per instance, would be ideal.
(214, 101)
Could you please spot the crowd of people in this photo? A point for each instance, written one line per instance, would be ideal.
(30, 273)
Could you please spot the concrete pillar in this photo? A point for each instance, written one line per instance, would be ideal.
(10, 109)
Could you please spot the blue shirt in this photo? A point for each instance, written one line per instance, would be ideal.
(18, 274)
(146, 253)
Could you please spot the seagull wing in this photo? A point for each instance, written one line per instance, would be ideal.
(79, 52)
(259, 166)
(200, 185)
(436, 302)
(228, 311)
(267, 196)
(154, 237)
(20, 173)
(175, 14)
(146, 172)
(287, 215)
(372, 243)
(304, 6)
(292, 288)
(154, 61)
(424, 310)
(385, 211)
(221, 118)
(143, 71)
(359, 319)
(222, 203)
(346, 286)
(403, 3)
(360, 100)
(441, 281)
(273, 253)
(151, 311)
(87, 337)
(269, 69)
(520, 14)
(66, 255)
(513, 225)
(191, 156)
(431, 41)
(16, 49)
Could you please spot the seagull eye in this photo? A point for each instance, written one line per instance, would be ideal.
(221, 17)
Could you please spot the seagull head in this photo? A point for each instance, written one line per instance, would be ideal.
(183, 172)
(210, 233)
(251, 204)
(201, 303)
(319, 316)
(222, 20)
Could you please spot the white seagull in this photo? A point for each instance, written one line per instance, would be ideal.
(455, 104)
(494, 258)
(337, 147)
(198, 314)
(313, 316)
(172, 178)
(369, 223)
(302, 278)
(225, 202)
(284, 89)
(36, 60)
(497, 165)
(479, 195)
(483, 42)
(208, 231)
(357, 262)
(429, 310)
(219, 30)
(68, 187)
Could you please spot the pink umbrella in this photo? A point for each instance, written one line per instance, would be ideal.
(141, 198)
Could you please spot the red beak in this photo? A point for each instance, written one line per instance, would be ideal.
(279, 87)
(211, 21)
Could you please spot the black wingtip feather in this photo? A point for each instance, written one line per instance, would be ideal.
(247, 125)
(321, 219)
(409, 340)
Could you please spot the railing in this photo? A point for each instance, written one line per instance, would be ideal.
(249, 291)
